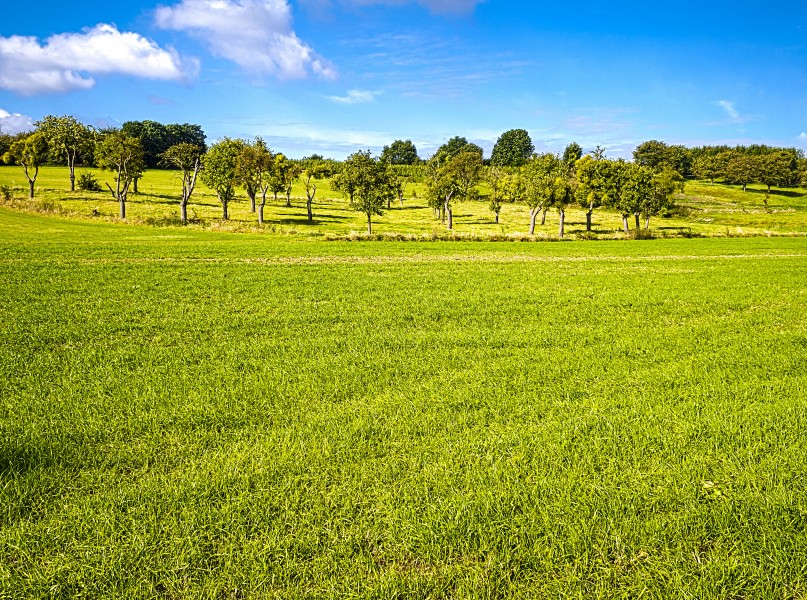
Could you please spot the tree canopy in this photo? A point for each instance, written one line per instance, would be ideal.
(400, 152)
(512, 149)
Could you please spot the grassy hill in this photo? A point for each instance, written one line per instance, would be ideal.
(704, 209)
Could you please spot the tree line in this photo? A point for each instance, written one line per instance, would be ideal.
(641, 188)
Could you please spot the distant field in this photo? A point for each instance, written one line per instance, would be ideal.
(200, 414)
(705, 209)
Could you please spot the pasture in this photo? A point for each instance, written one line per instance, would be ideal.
(703, 210)
(189, 413)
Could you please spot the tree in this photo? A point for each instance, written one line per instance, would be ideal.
(365, 181)
(400, 152)
(453, 178)
(742, 168)
(495, 178)
(709, 166)
(631, 186)
(651, 154)
(282, 176)
(123, 155)
(253, 169)
(69, 138)
(312, 170)
(593, 178)
(188, 159)
(220, 170)
(512, 149)
(455, 146)
(30, 152)
(776, 168)
(540, 173)
(663, 187)
(572, 154)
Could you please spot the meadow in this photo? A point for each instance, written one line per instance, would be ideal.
(188, 413)
(703, 209)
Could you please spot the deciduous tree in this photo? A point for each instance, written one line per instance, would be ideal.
(30, 152)
(188, 159)
(220, 170)
(68, 138)
(400, 152)
(123, 155)
(512, 149)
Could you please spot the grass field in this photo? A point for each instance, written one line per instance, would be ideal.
(202, 414)
(704, 209)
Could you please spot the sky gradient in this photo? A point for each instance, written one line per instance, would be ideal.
(335, 76)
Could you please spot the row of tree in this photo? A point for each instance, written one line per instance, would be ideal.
(642, 188)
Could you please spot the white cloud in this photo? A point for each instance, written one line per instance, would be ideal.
(436, 6)
(14, 122)
(803, 136)
(729, 108)
(355, 97)
(68, 61)
(255, 34)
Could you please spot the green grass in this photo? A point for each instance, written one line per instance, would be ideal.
(198, 414)
(704, 209)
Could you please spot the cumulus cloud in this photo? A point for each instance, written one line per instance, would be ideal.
(14, 122)
(803, 136)
(255, 34)
(68, 61)
(355, 97)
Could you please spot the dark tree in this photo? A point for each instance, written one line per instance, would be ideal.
(400, 152)
(454, 146)
(512, 149)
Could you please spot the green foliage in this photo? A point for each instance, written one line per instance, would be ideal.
(88, 182)
(220, 171)
(512, 149)
(157, 138)
(454, 146)
(572, 154)
(123, 155)
(30, 152)
(400, 152)
(367, 184)
(7, 192)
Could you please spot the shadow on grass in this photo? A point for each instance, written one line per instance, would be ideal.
(785, 193)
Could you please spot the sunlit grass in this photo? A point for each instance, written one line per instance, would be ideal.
(199, 414)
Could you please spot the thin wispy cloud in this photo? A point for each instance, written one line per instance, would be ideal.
(255, 34)
(69, 61)
(729, 108)
(355, 97)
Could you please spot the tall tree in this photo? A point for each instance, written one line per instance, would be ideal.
(742, 168)
(572, 154)
(313, 169)
(496, 178)
(188, 159)
(453, 179)
(594, 179)
(663, 187)
(540, 175)
(512, 149)
(30, 152)
(68, 138)
(400, 152)
(123, 155)
(254, 168)
(220, 170)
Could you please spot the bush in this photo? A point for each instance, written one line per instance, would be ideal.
(87, 182)
(7, 192)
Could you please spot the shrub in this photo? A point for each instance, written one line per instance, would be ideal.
(7, 192)
(88, 182)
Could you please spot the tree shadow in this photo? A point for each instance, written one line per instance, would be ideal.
(785, 193)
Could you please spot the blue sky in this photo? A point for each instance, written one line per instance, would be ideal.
(334, 76)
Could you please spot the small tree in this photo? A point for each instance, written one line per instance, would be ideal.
(220, 170)
(254, 170)
(365, 181)
(495, 178)
(30, 153)
(69, 138)
(188, 159)
(572, 154)
(593, 179)
(313, 169)
(540, 173)
(455, 146)
(123, 155)
(776, 168)
(663, 187)
(742, 168)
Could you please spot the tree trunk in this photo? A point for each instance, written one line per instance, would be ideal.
(543, 217)
(369, 224)
(224, 215)
(450, 218)
(636, 217)
(533, 216)
(288, 199)
(135, 185)
(389, 202)
(275, 193)
(497, 219)
(647, 221)
(31, 189)
(122, 201)
(562, 223)
(745, 185)
(72, 180)
(625, 223)
(588, 221)
(251, 201)
(309, 209)
(260, 214)
(183, 212)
